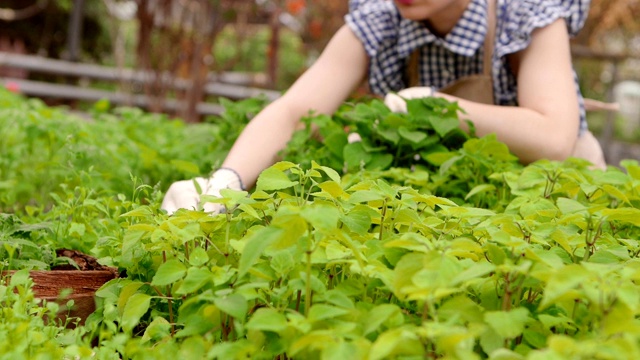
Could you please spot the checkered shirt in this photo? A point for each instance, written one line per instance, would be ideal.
(389, 39)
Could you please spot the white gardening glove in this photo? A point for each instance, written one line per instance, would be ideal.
(184, 195)
(353, 137)
(396, 102)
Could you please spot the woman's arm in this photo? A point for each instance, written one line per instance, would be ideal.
(545, 124)
(322, 88)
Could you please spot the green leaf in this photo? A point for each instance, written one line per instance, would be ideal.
(198, 257)
(358, 221)
(198, 318)
(127, 291)
(463, 212)
(389, 133)
(479, 189)
(193, 348)
(235, 305)
(250, 210)
(273, 179)
(196, 278)
(321, 217)
(495, 254)
(379, 161)
(136, 307)
(413, 136)
(355, 156)
(439, 158)
(267, 319)
(632, 167)
(20, 277)
(613, 191)
(255, 244)
(332, 188)
(505, 354)
(404, 271)
(317, 339)
(158, 329)
(569, 206)
(77, 229)
(627, 215)
(508, 324)
(397, 341)
(530, 177)
(444, 125)
(339, 298)
(476, 270)
(282, 262)
(431, 200)
(169, 272)
(378, 315)
(342, 350)
(563, 282)
(284, 165)
(142, 211)
(335, 142)
(320, 312)
(332, 174)
(365, 196)
(537, 208)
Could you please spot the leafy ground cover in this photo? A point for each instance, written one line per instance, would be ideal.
(417, 242)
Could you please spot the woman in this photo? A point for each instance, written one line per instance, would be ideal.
(534, 103)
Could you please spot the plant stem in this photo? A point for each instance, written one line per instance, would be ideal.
(307, 302)
(506, 300)
(169, 298)
(382, 216)
(299, 295)
(173, 325)
(332, 275)
(425, 311)
(227, 240)
(223, 327)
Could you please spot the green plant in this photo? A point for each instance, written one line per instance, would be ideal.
(307, 266)
(46, 151)
(23, 245)
(387, 139)
(462, 253)
(26, 331)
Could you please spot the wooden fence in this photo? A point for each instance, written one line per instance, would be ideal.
(229, 85)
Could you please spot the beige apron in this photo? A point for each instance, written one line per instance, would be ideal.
(479, 88)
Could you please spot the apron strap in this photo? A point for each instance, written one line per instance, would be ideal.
(412, 71)
(489, 39)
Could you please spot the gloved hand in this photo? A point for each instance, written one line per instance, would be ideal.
(184, 195)
(396, 102)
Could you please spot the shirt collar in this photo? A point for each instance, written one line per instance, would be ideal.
(464, 39)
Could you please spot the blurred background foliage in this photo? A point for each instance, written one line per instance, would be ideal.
(238, 35)
(273, 40)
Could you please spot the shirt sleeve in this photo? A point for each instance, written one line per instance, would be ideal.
(372, 22)
(520, 18)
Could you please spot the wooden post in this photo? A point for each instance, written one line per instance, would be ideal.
(608, 131)
(75, 30)
(274, 45)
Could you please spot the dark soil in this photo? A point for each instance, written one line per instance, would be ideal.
(85, 262)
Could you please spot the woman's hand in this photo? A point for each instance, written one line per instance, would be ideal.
(185, 195)
(397, 102)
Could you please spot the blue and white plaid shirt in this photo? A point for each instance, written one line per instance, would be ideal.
(389, 39)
